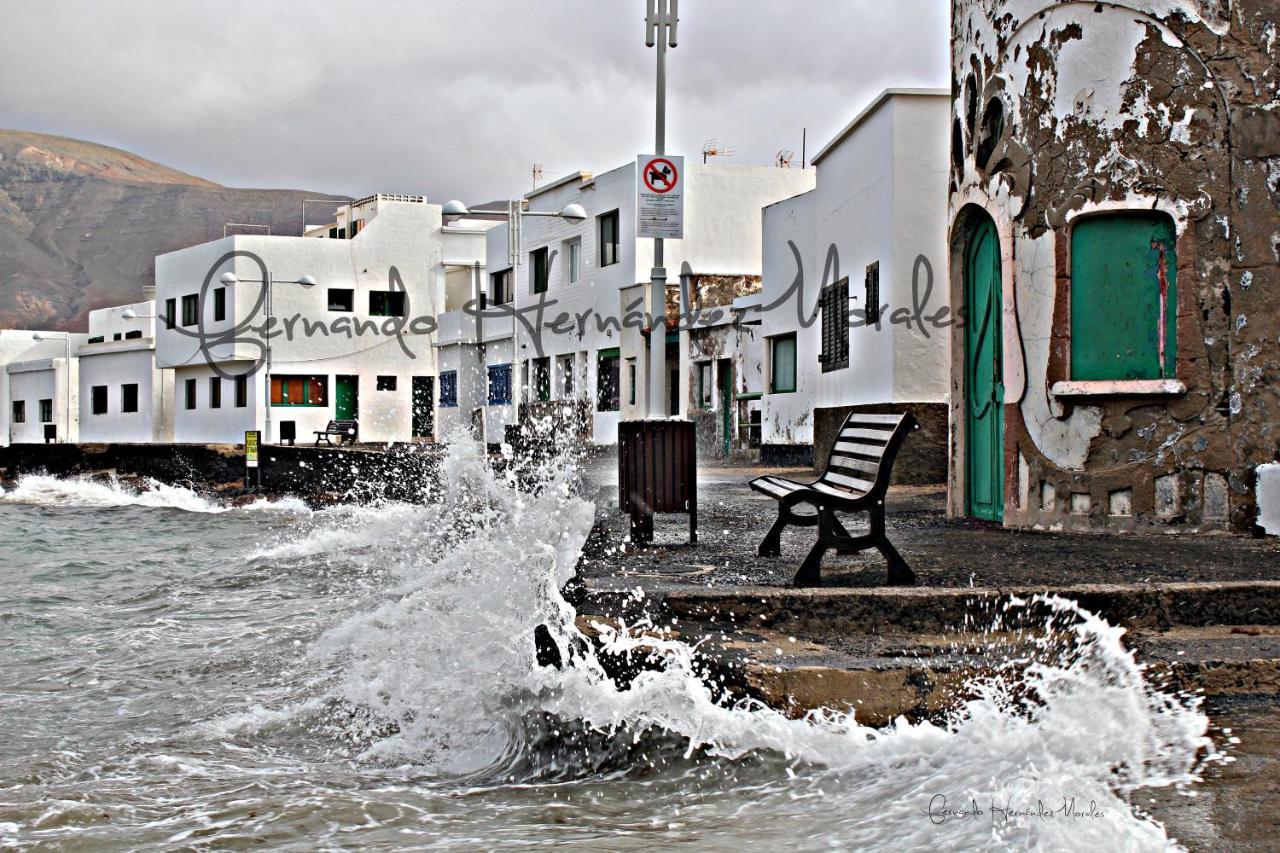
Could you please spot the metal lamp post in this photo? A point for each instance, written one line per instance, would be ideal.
(514, 214)
(66, 340)
(660, 31)
(229, 279)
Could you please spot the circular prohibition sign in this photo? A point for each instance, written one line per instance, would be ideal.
(660, 175)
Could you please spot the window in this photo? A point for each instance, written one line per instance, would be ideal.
(19, 411)
(449, 389)
(190, 393)
(219, 303)
(386, 303)
(46, 411)
(129, 397)
(608, 229)
(783, 358)
(1123, 297)
(117, 336)
(607, 380)
(96, 339)
(872, 283)
(704, 385)
(573, 258)
(565, 365)
(539, 269)
(170, 313)
(190, 309)
(299, 390)
(342, 299)
(835, 326)
(133, 336)
(386, 383)
(542, 379)
(631, 381)
(500, 287)
(499, 384)
(99, 399)
(215, 392)
(242, 391)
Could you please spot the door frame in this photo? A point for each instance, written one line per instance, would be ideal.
(724, 389)
(354, 381)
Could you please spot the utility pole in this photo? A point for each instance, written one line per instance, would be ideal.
(660, 31)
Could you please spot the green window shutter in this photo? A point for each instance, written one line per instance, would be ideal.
(1123, 296)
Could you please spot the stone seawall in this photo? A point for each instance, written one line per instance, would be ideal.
(321, 474)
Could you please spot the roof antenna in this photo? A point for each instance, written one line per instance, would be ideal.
(713, 148)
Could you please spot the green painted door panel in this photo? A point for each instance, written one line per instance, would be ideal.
(347, 399)
(984, 390)
(1123, 297)
(726, 403)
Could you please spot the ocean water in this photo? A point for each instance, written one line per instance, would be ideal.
(177, 675)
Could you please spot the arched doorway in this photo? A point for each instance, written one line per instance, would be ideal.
(983, 372)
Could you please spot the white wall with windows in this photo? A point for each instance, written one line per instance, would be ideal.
(43, 402)
(123, 396)
(371, 313)
(21, 345)
(858, 235)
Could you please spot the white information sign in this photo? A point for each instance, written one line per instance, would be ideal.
(660, 196)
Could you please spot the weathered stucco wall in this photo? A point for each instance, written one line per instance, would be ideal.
(1062, 110)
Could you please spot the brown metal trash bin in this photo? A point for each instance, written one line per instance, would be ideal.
(657, 472)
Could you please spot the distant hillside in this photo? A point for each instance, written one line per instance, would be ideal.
(81, 224)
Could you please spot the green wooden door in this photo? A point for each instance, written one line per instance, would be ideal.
(725, 370)
(1123, 297)
(347, 399)
(984, 390)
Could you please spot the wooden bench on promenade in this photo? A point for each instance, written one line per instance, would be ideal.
(856, 480)
(345, 430)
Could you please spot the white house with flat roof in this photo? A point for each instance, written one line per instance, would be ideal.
(123, 396)
(343, 332)
(557, 329)
(854, 310)
(39, 386)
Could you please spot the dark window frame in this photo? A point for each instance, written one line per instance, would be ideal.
(129, 398)
(18, 412)
(219, 304)
(500, 290)
(98, 399)
(191, 310)
(610, 245)
(448, 387)
(215, 392)
(46, 410)
(834, 302)
(347, 304)
(774, 387)
(609, 380)
(539, 270)
(500, 384)
(387, 303)
(871, 286)
(386, 382)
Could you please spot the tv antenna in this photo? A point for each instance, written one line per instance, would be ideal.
(713, 148)
(784, 158)
(537, 174)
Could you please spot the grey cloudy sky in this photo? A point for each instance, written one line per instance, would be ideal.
(450, 98)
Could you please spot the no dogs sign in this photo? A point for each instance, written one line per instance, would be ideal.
(660, 196)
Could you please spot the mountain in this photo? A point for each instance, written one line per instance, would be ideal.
(81, 224)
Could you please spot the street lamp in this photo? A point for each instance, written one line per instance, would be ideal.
(514, 213)
(66, 339)
(230, 279)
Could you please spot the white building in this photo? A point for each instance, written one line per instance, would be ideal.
(38, 384)
(577, 336)
(871, 234)
(352, 310)
(123, 396)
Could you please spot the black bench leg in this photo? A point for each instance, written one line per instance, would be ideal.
(900, 573)
(810, 572)
(771, 545)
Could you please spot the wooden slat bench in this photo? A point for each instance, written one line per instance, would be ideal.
(345, 430)
(856, 480)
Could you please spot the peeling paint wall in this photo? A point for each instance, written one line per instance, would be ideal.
(1062, 110)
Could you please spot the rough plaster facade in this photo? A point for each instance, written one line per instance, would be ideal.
(1065, 110)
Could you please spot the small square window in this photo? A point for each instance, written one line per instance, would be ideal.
(190, 309)
(342, 299)
(19, 411)
(608, 231)
(386, 383)
(46, 411)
